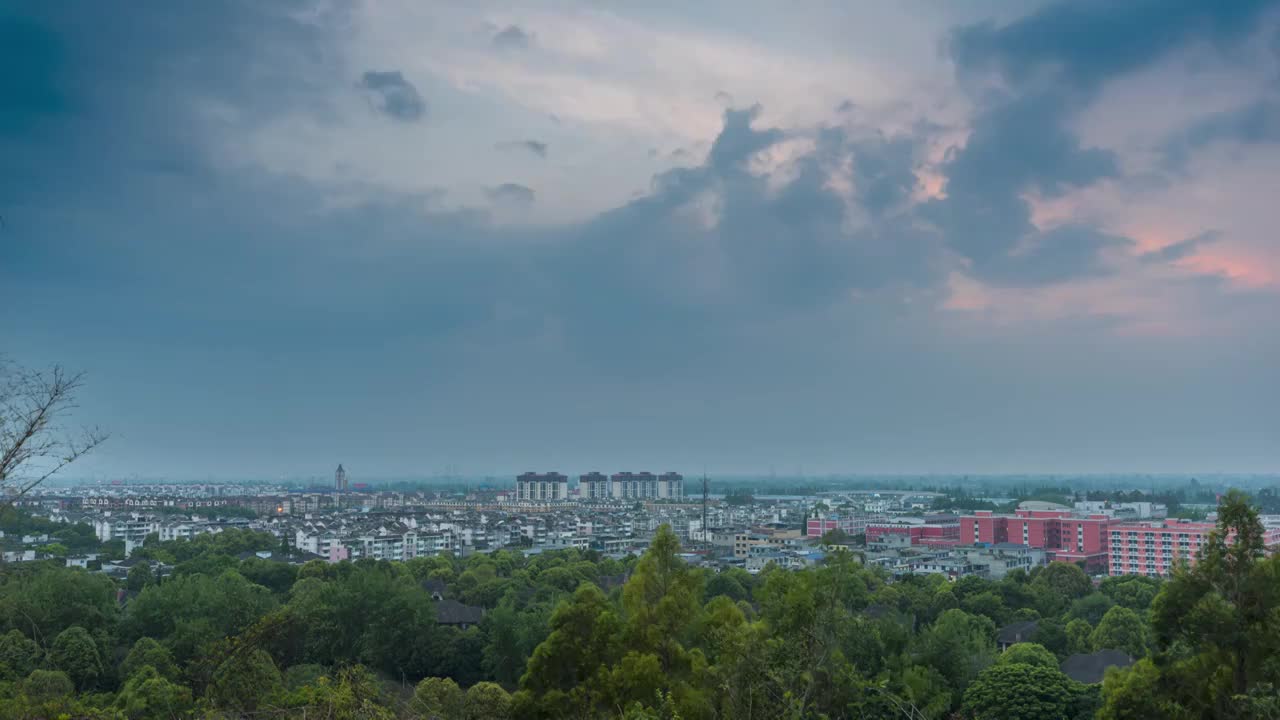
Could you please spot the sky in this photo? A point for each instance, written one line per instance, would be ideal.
(908, 237)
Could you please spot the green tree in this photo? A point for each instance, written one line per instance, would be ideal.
(564, 672)
(188, 613)
(244, 681)
(18, 655)
(44, 694)
(43, 604)
(1057, 584)
(1017, 691)
(1079, 636)
(352, 694)
(438, 699)
(1053, 636)
(148, 652)
(727, 583)
(147, 695)
(1121, 629)
(958, 646)
(1215, 624)
(1026, 653)
(140, 576)
(1135, 693)
(486, 701)
(1090, 608)
(1132, 591)
(75, 653)
(660, 600)
(987, 603)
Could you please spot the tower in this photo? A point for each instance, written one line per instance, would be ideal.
(706, 532)
(340, 479)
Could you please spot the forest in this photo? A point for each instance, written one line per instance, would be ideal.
(224, 633)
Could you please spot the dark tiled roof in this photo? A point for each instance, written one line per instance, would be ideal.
(1089, 669)
(1017, 632)
(452, 612)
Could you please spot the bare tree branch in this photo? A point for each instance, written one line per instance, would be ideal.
(34, 445)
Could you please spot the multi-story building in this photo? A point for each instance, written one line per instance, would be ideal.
(1152, 548)
(132, 528)
(919, 532)
(633, 486)
(850, 524)
(403, 546)
(1064, 535)
(670, 486)
(593, 486)
(542, 487)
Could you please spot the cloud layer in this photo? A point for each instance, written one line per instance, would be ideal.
(744, 250)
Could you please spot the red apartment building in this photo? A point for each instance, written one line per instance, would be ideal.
(1151, 548)
(851, 524)
(1064, 536)
(926, 534)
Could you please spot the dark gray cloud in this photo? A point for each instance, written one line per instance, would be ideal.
(1016, 146)
(1256, 122)
(1048, 67)
(396, 97)
(884, 172)
(721, 316)
(1059, 255)
(537, 147)
(512, 37)
(1083, 44)
(512, 193)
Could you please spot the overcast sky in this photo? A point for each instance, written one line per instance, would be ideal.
(829, 236)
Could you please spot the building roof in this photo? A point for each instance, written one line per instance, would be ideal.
(1041, 506)
(1089, 669)
(452, 612)
(1017, 632)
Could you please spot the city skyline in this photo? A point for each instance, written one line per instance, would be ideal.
(905, 238)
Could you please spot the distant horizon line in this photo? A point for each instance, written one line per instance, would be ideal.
(828, 476)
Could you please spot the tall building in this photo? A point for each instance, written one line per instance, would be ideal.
(646, 486)
(542, 487)
(671, 486)
(593, 486)
(340, 479)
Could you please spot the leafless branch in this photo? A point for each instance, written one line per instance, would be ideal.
(34, 445)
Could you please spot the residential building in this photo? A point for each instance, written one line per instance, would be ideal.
(541, 487)
(1152, 548)
(593, 486)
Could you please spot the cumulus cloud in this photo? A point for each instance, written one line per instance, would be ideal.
(396, 97)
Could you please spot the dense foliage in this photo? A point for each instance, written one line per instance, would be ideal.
(574, 635)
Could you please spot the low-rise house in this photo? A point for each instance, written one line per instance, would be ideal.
(455, 614)
(1090, 668)
(1015, 633)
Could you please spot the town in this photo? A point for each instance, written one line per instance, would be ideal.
(902, 532)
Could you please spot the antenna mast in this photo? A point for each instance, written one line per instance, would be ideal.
(706, 532)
